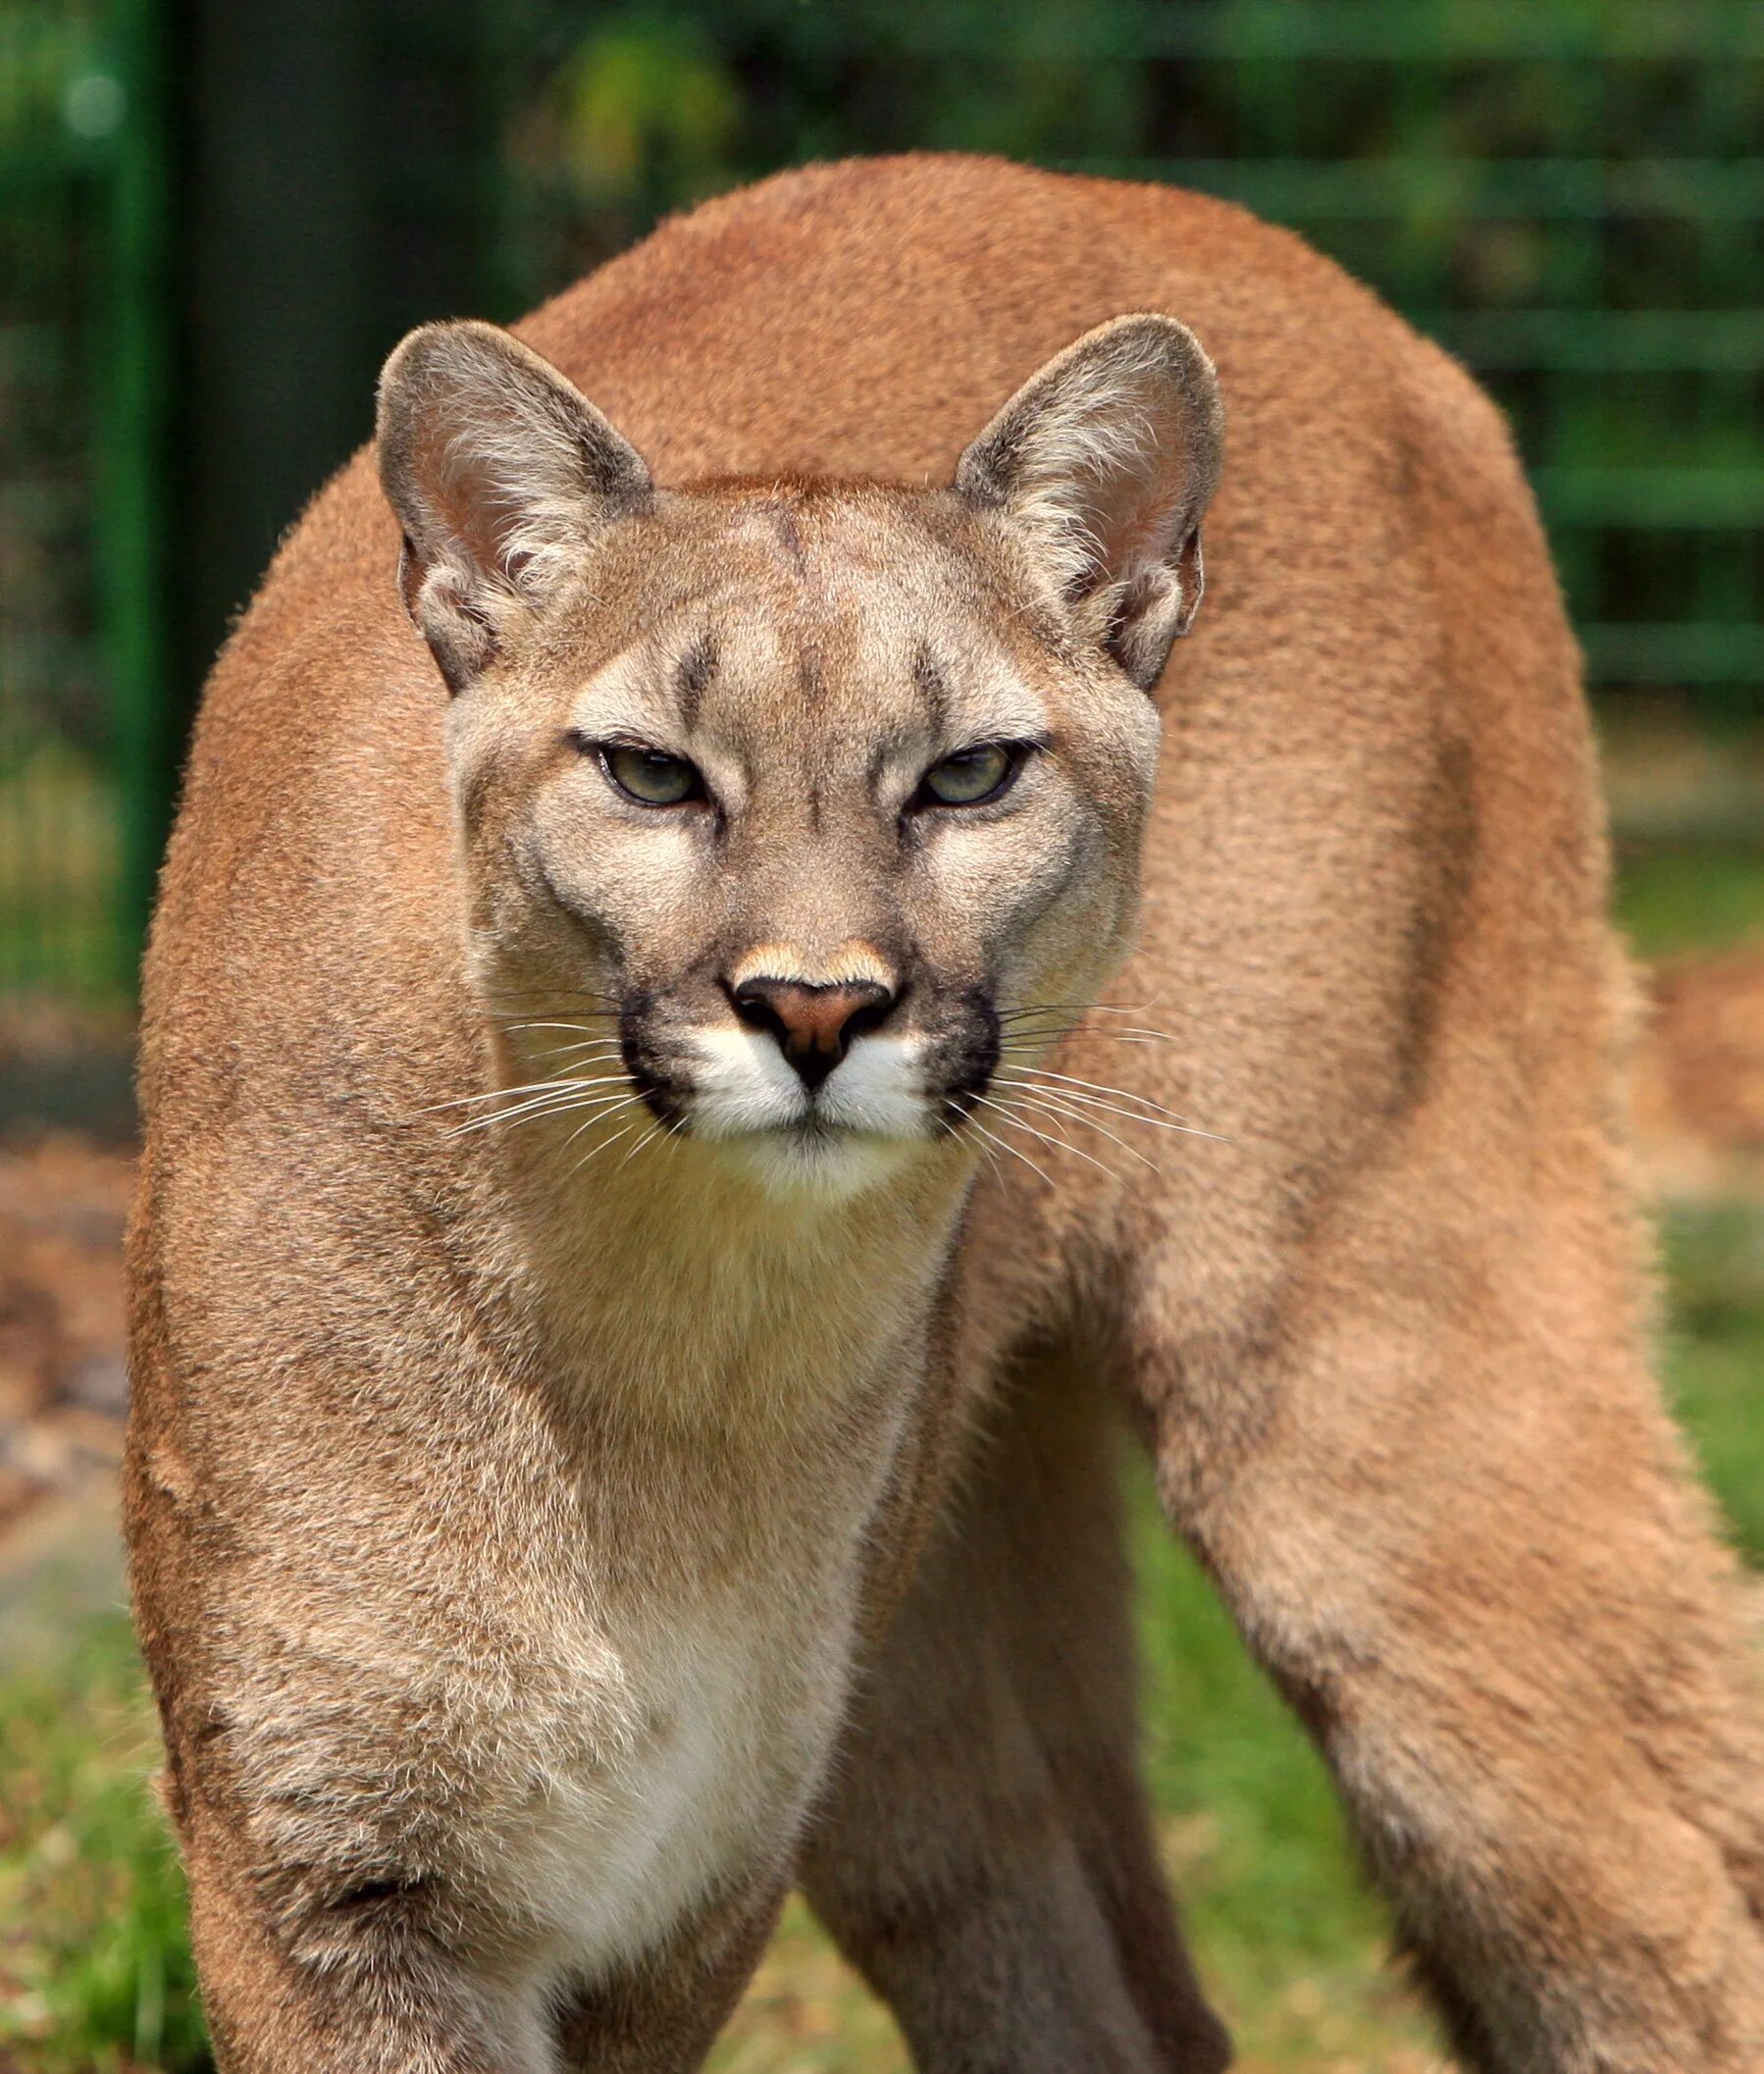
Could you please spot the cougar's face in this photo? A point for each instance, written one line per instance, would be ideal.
(789, 813)
(798, 837)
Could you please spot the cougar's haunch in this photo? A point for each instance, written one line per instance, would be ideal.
(712, 1014)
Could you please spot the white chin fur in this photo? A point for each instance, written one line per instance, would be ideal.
(798, 1163)
(863, 1124)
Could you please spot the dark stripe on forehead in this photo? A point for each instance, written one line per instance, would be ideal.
(692, 674)
(790, 535)
(932, 688)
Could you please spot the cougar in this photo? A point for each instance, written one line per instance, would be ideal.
(718, 1016)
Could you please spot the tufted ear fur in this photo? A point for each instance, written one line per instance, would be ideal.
(500, 471)
(1108, 457)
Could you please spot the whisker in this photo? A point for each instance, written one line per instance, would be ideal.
(1023, 1038)
(530, 1116)
(974, 1120)
(1133, 1035)
(603, 1110)
(1052, 1104)
(537, 1105)
(538, 1009)
(574, 1014)
(594, 1151)
(1079, 1009)
(604, 1047)
(1127, 1115)
(649, 1137)
(550, 994)
(1098, 1087)
(581, 1028)
(953, 1108)
(1059, 1144)
(527, 1087)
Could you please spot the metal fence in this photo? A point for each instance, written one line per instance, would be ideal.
(1568, 194)
(84, 315)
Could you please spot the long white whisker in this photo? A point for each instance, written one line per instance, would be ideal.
(1061, 1143)
(527, 1116)
(1023, 1040)
(986, 1152)
(1098, 1087)
(528, 996)
(1044, 1099)
(527, 1087)
(593, 1152)
(1127, 1115)
(647, 1137)
(974, 1121)
(1090, 1035)
(1077, 1010)
(581, 1028)
(603, 1110)
(589, 1047)
(537, 1105)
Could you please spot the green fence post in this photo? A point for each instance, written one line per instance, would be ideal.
(135, 505)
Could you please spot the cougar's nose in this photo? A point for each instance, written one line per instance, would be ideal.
(813, 1024)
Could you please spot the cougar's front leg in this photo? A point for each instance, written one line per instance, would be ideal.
(389, 1999)
(662, 2015)
(381, 1996)
(415, 1975)
(1445, 1506)
(985, 1854)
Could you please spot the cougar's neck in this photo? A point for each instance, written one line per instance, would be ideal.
(677, 1283)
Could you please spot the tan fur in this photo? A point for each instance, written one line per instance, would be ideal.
(504, 1534)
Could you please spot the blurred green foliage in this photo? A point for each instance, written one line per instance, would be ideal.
(95, 1972)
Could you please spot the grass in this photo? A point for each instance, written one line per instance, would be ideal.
(1679, 897)
(95, 1967)
(95, 1977)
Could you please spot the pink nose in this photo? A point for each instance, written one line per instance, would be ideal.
(813, 1025)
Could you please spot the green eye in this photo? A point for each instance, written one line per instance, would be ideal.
(970, 776)
(649, 775)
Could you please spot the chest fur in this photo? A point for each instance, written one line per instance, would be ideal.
(691, 1751)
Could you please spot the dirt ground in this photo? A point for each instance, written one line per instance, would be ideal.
(63, 1385)
(64, 1197)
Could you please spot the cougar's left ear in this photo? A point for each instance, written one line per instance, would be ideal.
(500, 471)
(1108, 458)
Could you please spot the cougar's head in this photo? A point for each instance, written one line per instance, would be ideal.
(799, 804)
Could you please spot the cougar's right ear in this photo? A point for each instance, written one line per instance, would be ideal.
(500, 472)
(1105, 460)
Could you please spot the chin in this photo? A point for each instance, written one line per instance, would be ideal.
(828, 1163)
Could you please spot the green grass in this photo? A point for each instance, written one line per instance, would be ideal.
(1715, 1355)
(1678, 896)
(94, 1966)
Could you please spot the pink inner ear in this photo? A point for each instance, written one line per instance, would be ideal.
(473, 507)
(1139, 498)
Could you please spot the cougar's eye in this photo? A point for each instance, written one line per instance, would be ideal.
(970, 776)
(651, 775)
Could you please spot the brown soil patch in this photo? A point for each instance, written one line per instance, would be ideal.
(1700, 1089)
(63, 1391)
